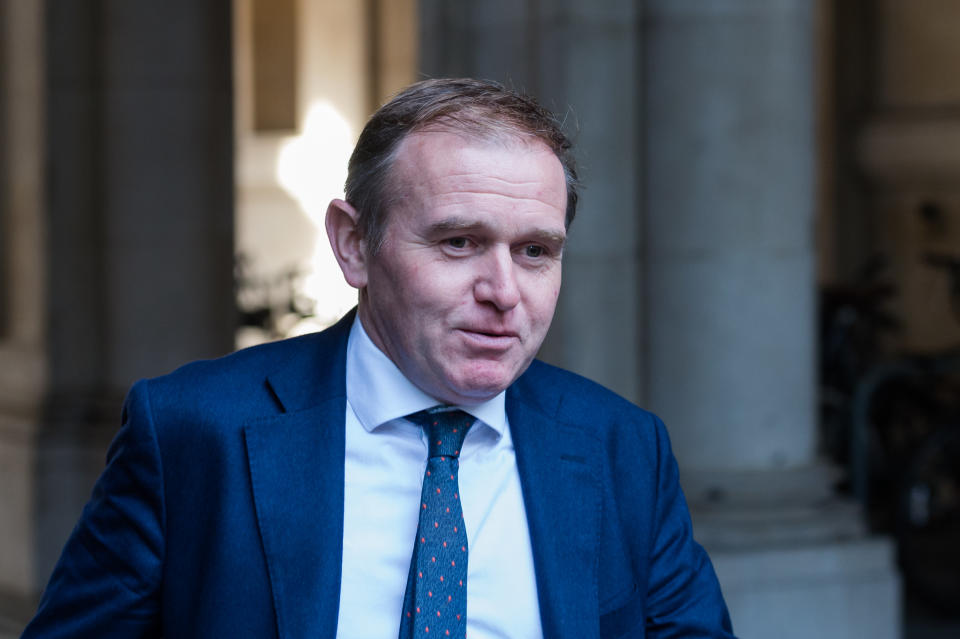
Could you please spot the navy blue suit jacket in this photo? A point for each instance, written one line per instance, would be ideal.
(220, 511)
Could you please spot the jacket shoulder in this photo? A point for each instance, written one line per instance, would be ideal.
(297, 366)
(574, 394)
(234, 375)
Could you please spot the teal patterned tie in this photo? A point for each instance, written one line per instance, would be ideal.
(435, 602)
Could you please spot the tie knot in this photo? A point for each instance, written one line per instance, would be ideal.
(446, 427)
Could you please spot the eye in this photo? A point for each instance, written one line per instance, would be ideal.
(457, 242)
(534, 250)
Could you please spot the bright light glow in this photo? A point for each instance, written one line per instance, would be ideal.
(312, 168)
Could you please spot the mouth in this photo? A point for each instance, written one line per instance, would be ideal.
(491, 339)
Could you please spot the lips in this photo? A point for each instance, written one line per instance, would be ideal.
(490, 338)
(491, 332)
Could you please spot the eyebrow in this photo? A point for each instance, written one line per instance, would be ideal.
(461, 224)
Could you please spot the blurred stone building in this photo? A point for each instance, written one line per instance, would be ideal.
(735, 154)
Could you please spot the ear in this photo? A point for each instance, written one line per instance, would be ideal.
(348, 246)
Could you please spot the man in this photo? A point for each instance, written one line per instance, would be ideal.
(330, 484)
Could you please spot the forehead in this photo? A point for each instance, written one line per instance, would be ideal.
(447, 166)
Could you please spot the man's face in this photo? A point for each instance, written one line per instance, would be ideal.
(462, 292)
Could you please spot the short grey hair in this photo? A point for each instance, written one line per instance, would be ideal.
(480, 108)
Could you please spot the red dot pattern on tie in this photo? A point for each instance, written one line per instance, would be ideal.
(436, 586)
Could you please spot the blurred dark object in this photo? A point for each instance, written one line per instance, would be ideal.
(893, 422)
(950, 264)
(928, 533)
(853, 322)
(272, 303)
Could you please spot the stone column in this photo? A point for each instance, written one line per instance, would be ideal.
(133, 190)
(23, 370)
(729, 218)
(730, 316)
(580, 60)
(699, 115)
(168, 131)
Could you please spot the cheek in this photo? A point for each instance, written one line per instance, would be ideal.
(543, 294)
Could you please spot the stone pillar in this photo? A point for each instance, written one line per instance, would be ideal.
(729, 217)
(129, 173)
(700, 114)
(580, 60)
(23, 370)
(168, 131)
(730, 310)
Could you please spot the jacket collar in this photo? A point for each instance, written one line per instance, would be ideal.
(316, 369)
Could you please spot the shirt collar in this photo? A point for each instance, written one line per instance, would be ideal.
(379, 393)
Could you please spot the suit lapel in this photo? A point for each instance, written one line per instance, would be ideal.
(296, 462)
(296, 467)
(562, 500)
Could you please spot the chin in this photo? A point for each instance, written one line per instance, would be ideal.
(480, 388)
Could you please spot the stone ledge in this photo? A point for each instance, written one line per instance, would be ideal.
(773, 527)
(719, 491)
(828, 591)
(804, 566)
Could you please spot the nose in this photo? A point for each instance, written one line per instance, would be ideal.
(497, 282)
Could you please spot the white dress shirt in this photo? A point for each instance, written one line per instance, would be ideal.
(386, 457)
